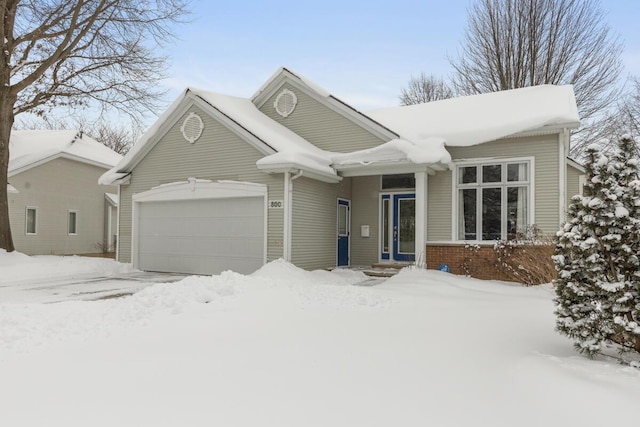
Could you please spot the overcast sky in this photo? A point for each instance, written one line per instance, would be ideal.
(363, 52)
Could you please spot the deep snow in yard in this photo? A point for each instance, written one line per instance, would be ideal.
(287, 347)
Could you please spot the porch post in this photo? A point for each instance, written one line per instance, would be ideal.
(421, 219)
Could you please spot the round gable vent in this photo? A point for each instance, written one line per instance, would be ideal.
(285, 102)
(192, 127)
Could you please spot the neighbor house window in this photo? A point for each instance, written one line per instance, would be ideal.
(31, 220)
(73, 223)
(493, 199)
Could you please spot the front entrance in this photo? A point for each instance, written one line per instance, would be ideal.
(343, 228)
(398, 227)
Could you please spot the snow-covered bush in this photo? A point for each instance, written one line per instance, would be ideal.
(598, 284)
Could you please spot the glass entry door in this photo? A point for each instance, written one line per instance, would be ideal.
(398, 220)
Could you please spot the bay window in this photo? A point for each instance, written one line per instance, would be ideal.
(493, 199)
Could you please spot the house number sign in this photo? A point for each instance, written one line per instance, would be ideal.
(276, 204)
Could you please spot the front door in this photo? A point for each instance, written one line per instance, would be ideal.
(343, 225)
(398, 232)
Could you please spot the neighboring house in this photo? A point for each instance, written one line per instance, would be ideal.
(57, 205)
(221, 182)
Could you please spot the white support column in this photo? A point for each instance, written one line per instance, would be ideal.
(421, 219)
(286, 236)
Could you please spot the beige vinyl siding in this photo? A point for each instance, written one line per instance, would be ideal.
(54, 188)
(321, 125)
(439, 207)
(219, 154)
(544, 149)
(573, 182)
(313, 233)
(365, 209)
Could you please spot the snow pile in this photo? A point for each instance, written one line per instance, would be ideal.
(19, 269)
(290, 347)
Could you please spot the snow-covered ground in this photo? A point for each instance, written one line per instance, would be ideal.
(287, 347)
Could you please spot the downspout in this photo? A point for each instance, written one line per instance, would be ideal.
(288, 213)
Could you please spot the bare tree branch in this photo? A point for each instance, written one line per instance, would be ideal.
(517, 43)
(76, 54)
(425, 89)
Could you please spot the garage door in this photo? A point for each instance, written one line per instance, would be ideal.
(201, 235)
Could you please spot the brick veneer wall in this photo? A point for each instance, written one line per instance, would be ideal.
(478, 261)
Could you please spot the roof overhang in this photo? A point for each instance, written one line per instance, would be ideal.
(387, 168)
(296, 168)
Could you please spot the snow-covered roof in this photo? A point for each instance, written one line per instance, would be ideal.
(29, 148)
(472, 120)
(11, 189)
(417, 134)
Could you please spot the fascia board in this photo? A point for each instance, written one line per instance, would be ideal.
(295, 168)
(382, 169)
(546, 130)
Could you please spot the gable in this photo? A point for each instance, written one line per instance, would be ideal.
(219, 152)
(319, 124)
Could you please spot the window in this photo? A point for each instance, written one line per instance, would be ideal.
(73, 223)
(31, 220)
(493, 200)
(405, 180)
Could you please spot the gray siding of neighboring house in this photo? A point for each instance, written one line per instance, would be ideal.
(544, 148)
(219, 154)
(321, 125)
(314, 223)
(573, 182)
(110, 230)
(365, 211)
(54, 188)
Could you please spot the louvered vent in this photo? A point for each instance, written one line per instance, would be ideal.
(192, 127)
(285, 103)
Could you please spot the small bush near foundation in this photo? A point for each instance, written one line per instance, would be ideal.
(527, 259)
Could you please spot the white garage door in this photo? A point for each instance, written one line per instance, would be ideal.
(201, 236)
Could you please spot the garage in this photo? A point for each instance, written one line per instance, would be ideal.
(200, 227)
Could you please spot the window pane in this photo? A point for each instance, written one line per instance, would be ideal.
(517, 211)
(492, 173)
(517, 172)
(467, 204)
(491, 213)
(406, 180)
(385, 226)
(72, 223)
(342, 220)
(407, 226)
(468, 175)
(31, 221)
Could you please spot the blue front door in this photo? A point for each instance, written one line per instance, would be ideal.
(404, 227)
(343, 225)
(398, 227)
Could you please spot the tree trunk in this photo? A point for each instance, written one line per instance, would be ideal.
(6, 122)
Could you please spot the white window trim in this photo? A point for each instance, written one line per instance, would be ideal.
(26, 220)
(76, 224)
(488, 161)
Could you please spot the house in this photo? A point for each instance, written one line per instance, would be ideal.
(222, 182)
(56, 205)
